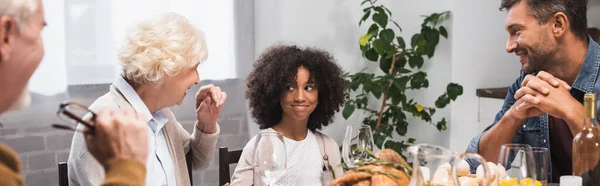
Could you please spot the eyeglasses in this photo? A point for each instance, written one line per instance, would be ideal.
(75, 113)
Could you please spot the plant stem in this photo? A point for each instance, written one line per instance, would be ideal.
(385, 94)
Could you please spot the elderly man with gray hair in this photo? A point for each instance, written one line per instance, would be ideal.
(159, 61)
(118, 141)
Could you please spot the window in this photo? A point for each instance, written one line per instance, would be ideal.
(83, 36)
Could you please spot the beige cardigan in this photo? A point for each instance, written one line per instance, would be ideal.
(244, 172)
(84, 170)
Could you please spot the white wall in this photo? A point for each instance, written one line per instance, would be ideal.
(594, 14)
(333, 26)
(50, 78)
(95, 30)
(479, 60)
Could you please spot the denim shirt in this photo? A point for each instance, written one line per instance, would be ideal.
(534, 130)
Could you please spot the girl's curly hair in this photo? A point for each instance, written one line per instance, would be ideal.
(277, 67)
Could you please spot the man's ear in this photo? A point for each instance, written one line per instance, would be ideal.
(7, 31)
(560, 24)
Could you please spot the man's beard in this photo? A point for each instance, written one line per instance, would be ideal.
(541, 57)
(538, 62)
(22, 102)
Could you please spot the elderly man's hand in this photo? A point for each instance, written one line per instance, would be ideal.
(118, 134)
(209, 101)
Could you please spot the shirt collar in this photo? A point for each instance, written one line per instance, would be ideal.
(589, 70)
(155, 120)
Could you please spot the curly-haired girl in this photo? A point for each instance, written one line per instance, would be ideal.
(295, 91)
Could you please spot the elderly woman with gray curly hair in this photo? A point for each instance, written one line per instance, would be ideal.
(159, 61)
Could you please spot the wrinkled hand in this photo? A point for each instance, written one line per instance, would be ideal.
(118, 134)
(547, 94)
(209, 101)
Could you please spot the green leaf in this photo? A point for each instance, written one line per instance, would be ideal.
(348, 110)
(354, 86)
(444, 32)
(376, 92)
(381, 47)
(412, 140)
(402, 128)
(400, 62)
(417, 80)
(366, 9)
(372, 55)
(425, 116)
(386, 129)
(400, 83)
(403, 98)
(364, 18)
(384, 64)
(442, 101)
(415, 61)
(387, 35)
(454, 90)
(364, 2)
(381, 19)
(414, 40)
(404, 71)
(379, 139)
(432, 111)
(373, 30)
(430, 50)
(401, 42)
(421, 50)
(421, 45)
(391, 50)
(394, 94)
(433, 37)
(354, 82)
(441, 125)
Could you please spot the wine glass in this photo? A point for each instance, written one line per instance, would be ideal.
(357, 141)
(541, 156)
(269, 156)
(519, 163)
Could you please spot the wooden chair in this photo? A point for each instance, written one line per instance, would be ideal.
(227, 157)
(63, 177)
(188, 161)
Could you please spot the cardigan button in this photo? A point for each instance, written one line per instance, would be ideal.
(325, 157)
